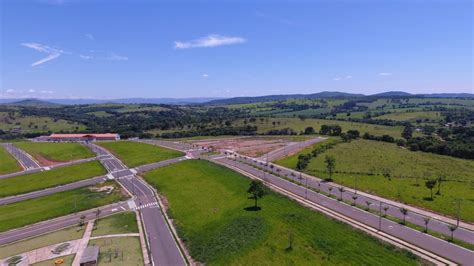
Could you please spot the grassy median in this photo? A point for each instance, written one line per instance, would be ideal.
(135, 154)
(365, 161)
(9, 164)
(46, 179)
(35, 210)
(50, 152)
(209, 204)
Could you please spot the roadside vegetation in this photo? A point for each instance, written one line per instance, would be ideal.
(119, 251)
(49, 152)
(398, 174)
(46, 179)
(135, 154)
(63, 235)
(9, 163)
(32, 123)
(59, 204)
(225, 227)
(120, 223)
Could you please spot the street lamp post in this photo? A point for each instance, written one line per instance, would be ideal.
(380, 215)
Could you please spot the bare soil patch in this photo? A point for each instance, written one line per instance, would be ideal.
(254, 147)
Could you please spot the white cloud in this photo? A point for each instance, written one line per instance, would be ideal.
(31, 90)
(89, 36)
(205, 75)
(338, 78)
(115, 57)
(46, 92)
(348, 77)
(212, 40)
(385, 74)
(53, 53)
(86, 57)
(9, 91)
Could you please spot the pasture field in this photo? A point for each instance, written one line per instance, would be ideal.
(56, 237)
(299, 125)
(424, 116)
(134, 154)
(364, 161)
(120, 223)
(128, 246)
(31, 124)
(209, 204)
(46, 179)
(46, 152)
(59, 204)
(9, 163)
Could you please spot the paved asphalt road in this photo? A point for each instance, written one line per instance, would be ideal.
(289, 149)
(49, 191)
(412, 217)
(432, 244)
(58, 223)
(148, 167)
(163, 247)
(25, 159)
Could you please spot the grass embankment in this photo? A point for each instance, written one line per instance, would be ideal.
(135, 154)
(9, 163)
(46, 179)
(128, 250)
(209, 204)
(59, 204)
(364, 161)
(121, 223)
(55, 152)
(57, 237)
(300, 125)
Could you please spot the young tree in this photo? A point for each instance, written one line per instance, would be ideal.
(341, 190)
(407, 132)
(404, 212)
(385, 209)
(354, 197)
(440, 179)
(430, 184)
(330, 165)
(257, 190)
(452, 228)
(368, 203)
(426, 220)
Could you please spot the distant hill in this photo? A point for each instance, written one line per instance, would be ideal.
(170, 101)
(267, 98)
(392, 94)
(33, 102)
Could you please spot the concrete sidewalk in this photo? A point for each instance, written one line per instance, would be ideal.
(83, 242)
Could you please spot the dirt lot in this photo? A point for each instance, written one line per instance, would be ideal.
(252, 146)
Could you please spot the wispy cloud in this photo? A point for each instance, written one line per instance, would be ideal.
(212, 40)
(31, 90)
(340, 78)
(86, 57)
(115, 57)
(89, 36)
(53, 53)
(205, 75)
(46, 92)
(385, 74)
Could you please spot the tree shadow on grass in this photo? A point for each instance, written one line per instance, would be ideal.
(252, 208)
(427, 199)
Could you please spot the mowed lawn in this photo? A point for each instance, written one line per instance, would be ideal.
(366, 160)
(121, 223)
(55, 177)
(59, 204)
(135, 154)
(55, 152)
(8, 163)
(208, 201)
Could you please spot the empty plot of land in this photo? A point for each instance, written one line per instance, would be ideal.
(49, 153)
(134, 154)
(365, 162)
(253, 147)
(46, 179)
(222, 228)
(121, 223)
(9, 164)
(124, 251)
(35, 210)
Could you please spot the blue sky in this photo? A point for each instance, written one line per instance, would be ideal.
(114, 49)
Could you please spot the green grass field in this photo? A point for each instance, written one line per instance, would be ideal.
(299, 125)
(55, 152)
(59, 204)
(413, 116)
(55, 177)
(135, 153)
(57, 237)
(366, 160)
(121, 223)
(9, 164)
(32, 124)
(67, 261)
(129, 247)
(208, 201)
